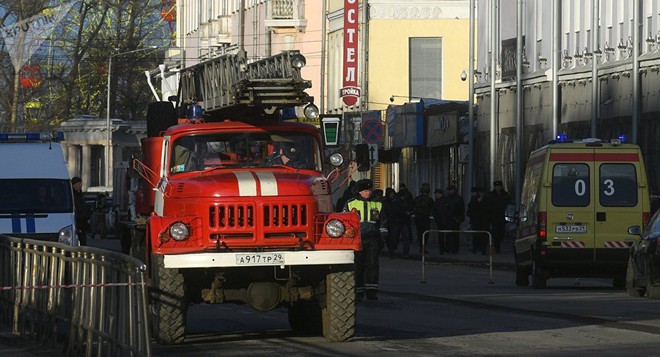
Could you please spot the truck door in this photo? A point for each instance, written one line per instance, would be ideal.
(617, 200)
(571, 210)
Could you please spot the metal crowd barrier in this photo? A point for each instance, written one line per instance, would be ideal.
(86, 301)
(444, 236)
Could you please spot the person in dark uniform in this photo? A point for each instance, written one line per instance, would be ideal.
(371, 221)
(287, 154)
(82, 213)
(498, 200)
(422, 210)
(479, 219)
(451, 212)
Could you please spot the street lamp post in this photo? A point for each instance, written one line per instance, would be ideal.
(108, 160)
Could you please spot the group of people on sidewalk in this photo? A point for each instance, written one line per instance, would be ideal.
(386, 220)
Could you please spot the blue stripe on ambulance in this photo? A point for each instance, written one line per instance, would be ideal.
(29, 224)
(15, 225)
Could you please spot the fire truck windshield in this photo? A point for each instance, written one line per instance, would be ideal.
(241, 149)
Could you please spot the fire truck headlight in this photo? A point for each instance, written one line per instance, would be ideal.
(335, 228)
(336, 159)
(179, 231)
(311, 111)
(298, 61)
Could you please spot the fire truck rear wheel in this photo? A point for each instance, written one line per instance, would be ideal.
(339, 312)
(169, 303)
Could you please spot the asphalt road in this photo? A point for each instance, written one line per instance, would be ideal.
(457, 312)
(460, 310)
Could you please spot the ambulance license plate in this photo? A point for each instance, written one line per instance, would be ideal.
(260, 259)
(563, 228)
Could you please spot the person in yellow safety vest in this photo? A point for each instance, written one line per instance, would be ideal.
(371, 221)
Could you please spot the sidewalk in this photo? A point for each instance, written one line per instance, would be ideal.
(503, 260)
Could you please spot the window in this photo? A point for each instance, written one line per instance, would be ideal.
(425, 67)
(240, 149)
(618, 185)
(35, 196)
(570, 185)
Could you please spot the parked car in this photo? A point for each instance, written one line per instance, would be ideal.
(643, 275)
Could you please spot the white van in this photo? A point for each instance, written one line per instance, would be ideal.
(36, 197)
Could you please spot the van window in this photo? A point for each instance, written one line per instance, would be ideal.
(35, 196)
(570, 185)
(618, 185)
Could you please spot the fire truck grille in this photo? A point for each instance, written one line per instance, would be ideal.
(231, 216)
(285, 215)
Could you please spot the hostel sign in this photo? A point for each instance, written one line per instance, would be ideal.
(350, 92)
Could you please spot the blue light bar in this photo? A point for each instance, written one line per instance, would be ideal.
(31, 137)
(623, 138)
(562, 137)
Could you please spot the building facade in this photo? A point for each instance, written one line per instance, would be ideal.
(403, 51)
(576, 80)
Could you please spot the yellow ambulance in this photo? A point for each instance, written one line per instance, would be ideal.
(577, 201)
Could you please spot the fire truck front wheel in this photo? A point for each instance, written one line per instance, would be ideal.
(338, 315)
(168, 303)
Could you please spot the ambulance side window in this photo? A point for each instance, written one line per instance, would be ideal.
(570, 185)
(618, 185)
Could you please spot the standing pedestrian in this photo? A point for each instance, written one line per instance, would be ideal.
(399, 221)
(498, 200)
(409, 202)
(453, 213)
(82, 214)
(479, 219)
(372, 224)
(349, 193)
(422, 210)
(436, 212)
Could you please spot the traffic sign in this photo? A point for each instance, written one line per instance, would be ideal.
(372, 130)
(373, 154)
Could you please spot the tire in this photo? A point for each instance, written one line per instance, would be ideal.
(522, 276)
(168, 303)
(631, 287)
(338, 315)
(539, 281)
(305, 318)
(619, 282)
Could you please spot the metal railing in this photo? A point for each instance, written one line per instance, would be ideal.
(444, 236)
(86, 301)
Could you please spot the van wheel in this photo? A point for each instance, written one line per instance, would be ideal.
(539, 281)
(652, 292)
(619, 282)
(631, 287)
(522, 276)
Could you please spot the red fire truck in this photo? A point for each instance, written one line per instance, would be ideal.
(232, 204)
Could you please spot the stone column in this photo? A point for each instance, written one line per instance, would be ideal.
(85, 163)
(72, 159)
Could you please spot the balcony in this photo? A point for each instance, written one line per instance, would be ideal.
(285, 14)
(216, 32)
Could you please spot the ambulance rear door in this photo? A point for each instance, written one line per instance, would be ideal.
(570, 209)
(619, 204)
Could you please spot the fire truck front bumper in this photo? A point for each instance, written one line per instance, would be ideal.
(246, 259)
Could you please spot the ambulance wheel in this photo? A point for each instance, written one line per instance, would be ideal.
(652, 292)
(619, 282)
(338, 314)
(631, 287)
(522, 275)
(168, 303)
(539, 281)
(305, 318)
